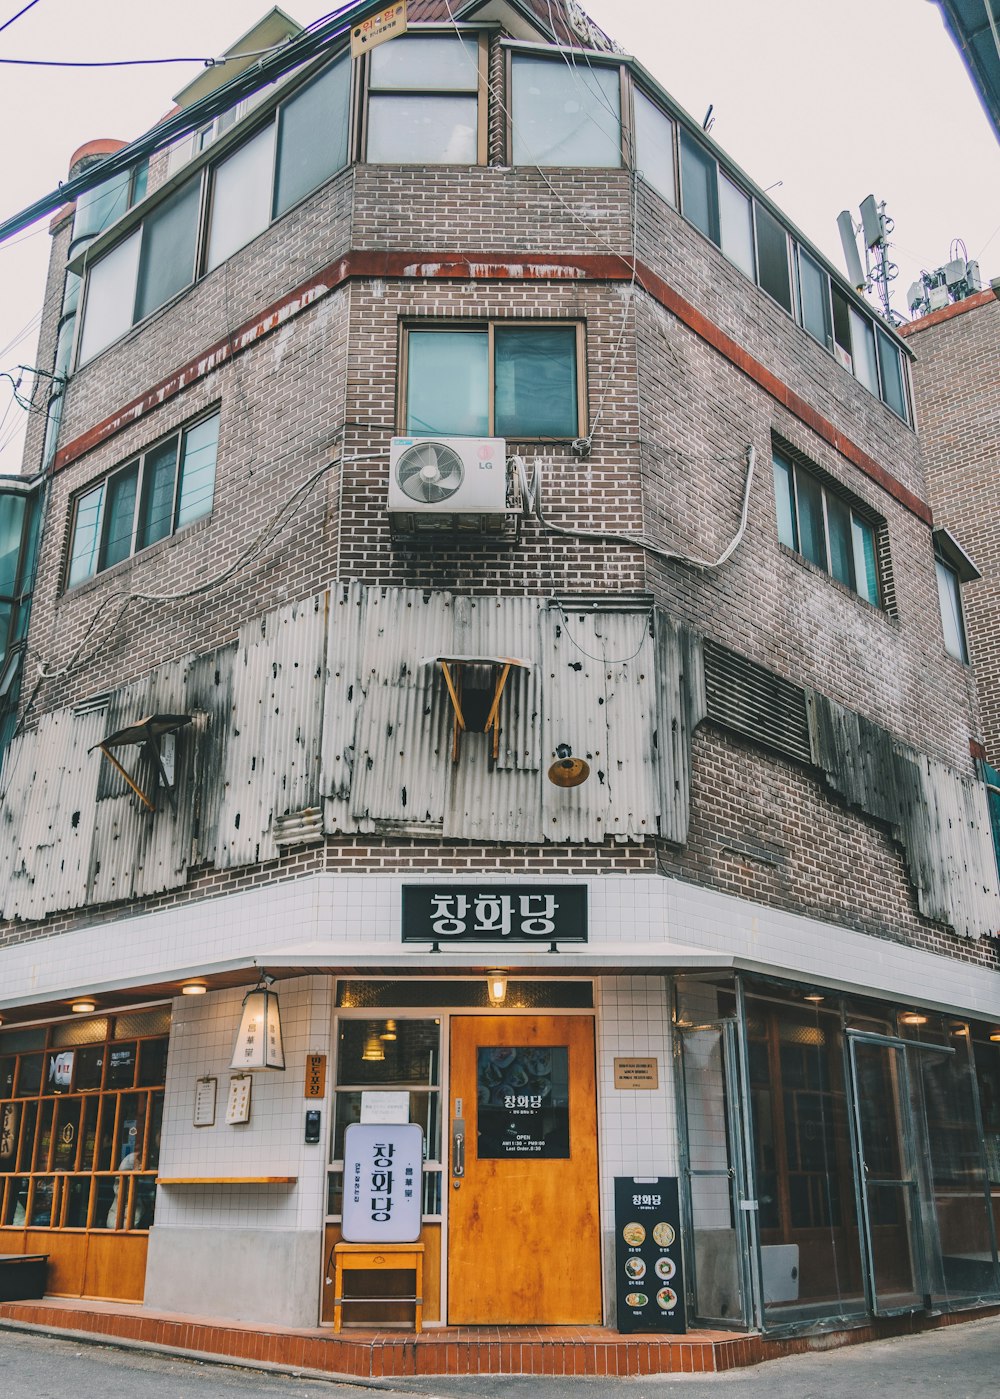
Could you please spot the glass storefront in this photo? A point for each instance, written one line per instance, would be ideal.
(843, 1157)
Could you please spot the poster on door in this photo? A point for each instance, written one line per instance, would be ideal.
(649, 1266)
(523, 1102)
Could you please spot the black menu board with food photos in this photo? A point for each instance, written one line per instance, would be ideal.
(649, 1269)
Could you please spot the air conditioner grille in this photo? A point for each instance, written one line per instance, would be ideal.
(429, 472)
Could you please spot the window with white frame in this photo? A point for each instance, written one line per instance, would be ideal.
(565, 112)
(424, 105)
(827, 527)
(503, 379)
(153, 495)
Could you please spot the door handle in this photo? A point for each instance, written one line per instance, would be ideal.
(458, 1146)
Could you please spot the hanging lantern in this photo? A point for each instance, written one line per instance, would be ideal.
(496, 987)
(258, 1042)
(389, 1033)
(373, 1052)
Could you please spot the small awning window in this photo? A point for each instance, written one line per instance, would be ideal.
(154, 736)
(475, 686)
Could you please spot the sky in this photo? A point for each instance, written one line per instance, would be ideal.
(820, 101)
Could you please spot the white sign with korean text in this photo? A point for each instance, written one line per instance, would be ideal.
(385, 1107)
(382, 1183)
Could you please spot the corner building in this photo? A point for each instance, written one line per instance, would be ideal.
(433, 430)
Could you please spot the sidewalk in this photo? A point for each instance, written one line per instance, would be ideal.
(582, 1351)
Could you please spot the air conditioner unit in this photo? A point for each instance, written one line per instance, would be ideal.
(443, 488)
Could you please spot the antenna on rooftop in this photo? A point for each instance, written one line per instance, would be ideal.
(879, 270)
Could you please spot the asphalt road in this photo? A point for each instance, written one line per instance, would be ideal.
(957, 1362)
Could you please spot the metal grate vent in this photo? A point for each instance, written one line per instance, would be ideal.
(303, 827)
(755, 702)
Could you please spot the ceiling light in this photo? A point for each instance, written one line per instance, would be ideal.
(373, 1052)
(815, 997)
(83, 1007)
(913, 1017)
(995, 1036)
(389, 1033)
(193, 988)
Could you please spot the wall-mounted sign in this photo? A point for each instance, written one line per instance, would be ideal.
(387, 24)
(238, 1106)
(315, 1076)
(204, 1101)
(637, 1073)
(258, 1040)
(10, 1120)
(382, 1183)
(649, 1268)
(385, 1107)
(494, 913)
(523, 1102)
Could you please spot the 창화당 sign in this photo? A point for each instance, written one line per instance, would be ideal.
(494, 913)
(382, 1183)
(649, 1265)
(523, 1102)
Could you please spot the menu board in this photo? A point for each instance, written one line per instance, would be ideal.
(649, 1268)
(523, 1102)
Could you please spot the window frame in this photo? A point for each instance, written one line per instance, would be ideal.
(139, 464)
(626, 129)
(364, 95)
(857, 512)
(490, 326)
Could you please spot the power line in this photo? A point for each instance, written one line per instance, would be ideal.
(7, 23)
(107, 62)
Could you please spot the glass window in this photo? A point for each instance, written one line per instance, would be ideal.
(423, 104)
(11, 529)
(98, 208)
(169, 237)
(821, 525)
(772, 257)
(312, 134)
(173, 484)
(891, 375)
(241, 197)
(565, 113)
(814, 297)
(119, 517)
(736, 225)
(534, 377)
(699, 188)
(863, 351)
(654, 147)
(110, 296)
(950, 598)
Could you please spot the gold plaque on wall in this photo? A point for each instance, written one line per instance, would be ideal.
(315, 1075)
(637, 1073)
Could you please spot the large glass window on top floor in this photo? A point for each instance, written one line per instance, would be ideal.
(424, 101)
(564, 112)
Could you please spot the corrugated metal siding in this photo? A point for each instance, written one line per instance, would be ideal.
(939, 815)
(51, 786)
(274, 734)
(680, 700)
(600, 698)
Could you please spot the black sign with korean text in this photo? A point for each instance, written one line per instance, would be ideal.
(649, 1266)
(523, 1102)
(494, 913)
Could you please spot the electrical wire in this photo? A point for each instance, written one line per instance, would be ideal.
(14, 18)
(531, 493)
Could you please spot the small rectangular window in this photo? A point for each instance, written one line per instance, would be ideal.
(423, 101)
(166, 488)
(313, 128)
(241, 197)
(565, 113)
(772, 257)
(169, 238)
(823, 525)
(110, 296)
(699, 187)
(736, 225)
(654, 147)
(863, 351)
(952, 621)
(513, 381)
(814, 299)
(891, 375)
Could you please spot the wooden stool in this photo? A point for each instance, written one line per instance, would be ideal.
(350, 1258)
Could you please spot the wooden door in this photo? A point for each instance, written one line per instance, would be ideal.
(523, 1222)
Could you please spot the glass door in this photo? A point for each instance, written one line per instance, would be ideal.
(890, 1195)
(722, 1218)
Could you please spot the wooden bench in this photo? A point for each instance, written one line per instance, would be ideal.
(350, 1258)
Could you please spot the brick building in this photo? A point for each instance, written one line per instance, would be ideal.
(477, 533)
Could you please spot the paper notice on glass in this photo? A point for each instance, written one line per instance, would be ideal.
(385, 1107)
